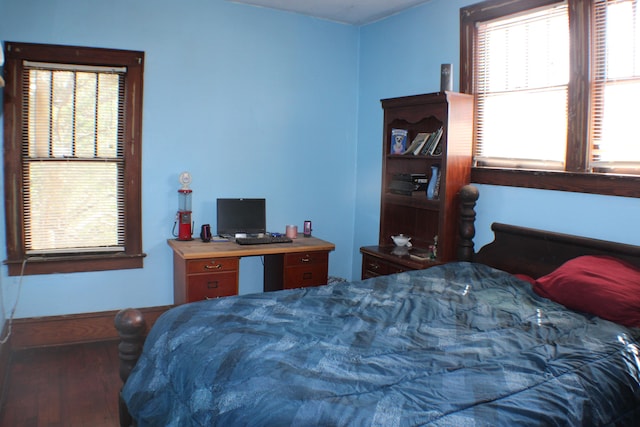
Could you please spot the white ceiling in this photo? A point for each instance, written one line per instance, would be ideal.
(355, 12)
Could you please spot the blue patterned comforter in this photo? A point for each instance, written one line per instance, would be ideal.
(456, 345)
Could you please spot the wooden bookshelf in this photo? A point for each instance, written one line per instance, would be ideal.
(414, 214)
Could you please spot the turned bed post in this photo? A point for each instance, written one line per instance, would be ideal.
(468, 197)
(131, 327)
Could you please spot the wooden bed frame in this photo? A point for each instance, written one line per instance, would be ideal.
(517, 250)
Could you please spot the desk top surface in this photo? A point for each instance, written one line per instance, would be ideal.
(194, 249)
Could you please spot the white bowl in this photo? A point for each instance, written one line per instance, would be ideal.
(401, 240)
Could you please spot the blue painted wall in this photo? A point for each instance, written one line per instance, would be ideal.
(253, 102)
(401, 56)
(262, 103)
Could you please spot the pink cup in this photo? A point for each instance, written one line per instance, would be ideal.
(292, 231)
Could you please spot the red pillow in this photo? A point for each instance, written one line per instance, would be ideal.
(604, 286)
(526, 278)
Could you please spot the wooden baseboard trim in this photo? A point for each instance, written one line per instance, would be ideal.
(71, 329)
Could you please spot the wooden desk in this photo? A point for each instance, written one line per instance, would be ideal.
(211, 270)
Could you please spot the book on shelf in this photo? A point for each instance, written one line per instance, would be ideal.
(432, 143)
(438, 151)
(436, 147)
(398, 141)
(408, 183)
(418, 143)
(436, 188)
(427, 147)
(419, 181)
(403, 188)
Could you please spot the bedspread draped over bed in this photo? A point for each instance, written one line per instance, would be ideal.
(456, 345)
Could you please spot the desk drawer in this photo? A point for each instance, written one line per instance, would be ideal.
(305, 275)
(306, 258)
(212, 265)
(206, 286)
(373, 267)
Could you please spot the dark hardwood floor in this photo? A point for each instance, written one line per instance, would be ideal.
(75, 386)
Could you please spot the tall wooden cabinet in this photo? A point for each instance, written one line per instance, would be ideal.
(414, 214)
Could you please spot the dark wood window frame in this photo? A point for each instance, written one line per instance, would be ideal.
(576, 177)
(17, 260)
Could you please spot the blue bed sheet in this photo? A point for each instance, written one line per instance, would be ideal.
(456, 345)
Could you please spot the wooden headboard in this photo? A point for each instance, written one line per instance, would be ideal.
(536, 253)
(530, 251)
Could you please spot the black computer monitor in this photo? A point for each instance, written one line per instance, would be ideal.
(236, 216)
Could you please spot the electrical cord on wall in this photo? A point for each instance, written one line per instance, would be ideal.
(15, 305)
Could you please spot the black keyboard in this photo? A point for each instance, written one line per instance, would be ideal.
(262, 240)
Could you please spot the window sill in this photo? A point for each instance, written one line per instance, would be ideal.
(73, 264)
(593, 183)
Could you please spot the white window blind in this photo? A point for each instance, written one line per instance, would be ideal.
(615, 140)
(521, 69)
(73, 163)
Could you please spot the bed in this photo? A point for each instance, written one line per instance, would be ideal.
(537, 328)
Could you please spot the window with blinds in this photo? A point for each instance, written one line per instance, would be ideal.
(72, 158)
(556, 83)
(521, 71)
(72, 149)
(615, 141)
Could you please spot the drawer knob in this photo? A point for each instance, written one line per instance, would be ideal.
(373, 266)
(212, 284)
(213, 267)
(305, 259)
